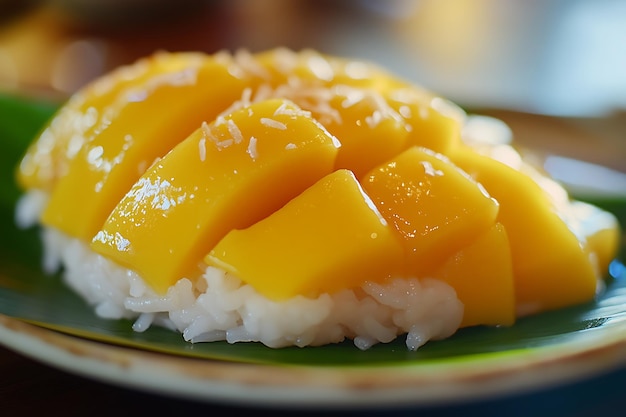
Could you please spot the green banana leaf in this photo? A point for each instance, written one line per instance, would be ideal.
(28, 294)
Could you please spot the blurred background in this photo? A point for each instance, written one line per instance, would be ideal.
(565, 57)
(518, 58)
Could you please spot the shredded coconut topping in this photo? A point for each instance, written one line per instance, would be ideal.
(234, 131)
(207, 132)
(252, 148)
(275, 124)
(283, 109)
(202, 149)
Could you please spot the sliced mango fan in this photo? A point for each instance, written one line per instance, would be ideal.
(340, 145)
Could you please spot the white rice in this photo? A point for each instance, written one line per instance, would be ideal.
(218, 306)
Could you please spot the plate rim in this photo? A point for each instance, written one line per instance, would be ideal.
(262, 385)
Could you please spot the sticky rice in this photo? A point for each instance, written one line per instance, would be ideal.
(217, 306)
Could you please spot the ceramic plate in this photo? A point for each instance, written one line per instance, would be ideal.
(41, 318)
(431, 382)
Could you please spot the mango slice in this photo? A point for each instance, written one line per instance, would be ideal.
(371, 132)
(330, 237)
(146, 125)
(482, 276)
(552, 269)
(89, 110)
(226, 175)
(435, 207)
(434, 123)
(374, 114)
(374, 127)
(601, 232)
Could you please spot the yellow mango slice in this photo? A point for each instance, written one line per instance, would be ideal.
(482, 276)
(370, 132)
(330, 237)
(157, 115)
(434, 123)
(435, 207)
(88, 110)
(345, 97)
(601, 232)
(226, 175)
(550, 264)
(374, 114)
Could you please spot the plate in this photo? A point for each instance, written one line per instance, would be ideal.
(42, 319)
(447, 382)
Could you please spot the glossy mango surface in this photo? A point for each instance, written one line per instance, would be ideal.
(435, 207)
(552, 269)
(91, 110)
(376, 114)
(226, 175)
(328, 238)
(482, 275)
(149, 120)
